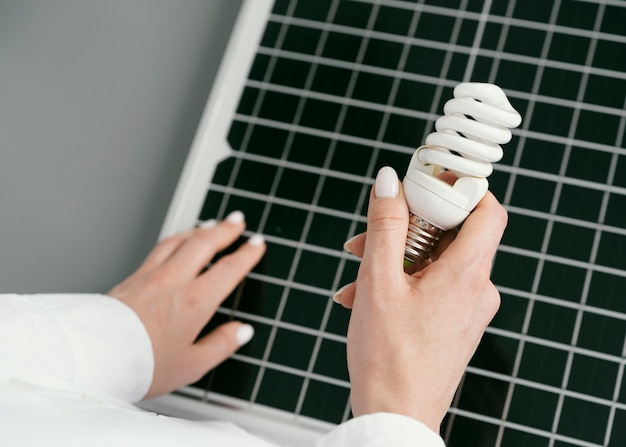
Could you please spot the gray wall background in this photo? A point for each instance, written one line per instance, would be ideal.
(99, 102)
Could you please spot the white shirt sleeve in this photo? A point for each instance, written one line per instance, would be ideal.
(95, 341)
(381, 430)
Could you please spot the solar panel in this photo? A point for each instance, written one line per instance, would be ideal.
(338, 88)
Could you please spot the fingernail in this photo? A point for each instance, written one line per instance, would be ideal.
(346, 244)
(244, 334)
(386, 183)
(207, 224)
(337, 295)
(257, 240)
(236, 217)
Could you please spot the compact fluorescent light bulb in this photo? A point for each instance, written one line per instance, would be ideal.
(467, 140)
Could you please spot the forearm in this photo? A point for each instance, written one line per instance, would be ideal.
(93, 340)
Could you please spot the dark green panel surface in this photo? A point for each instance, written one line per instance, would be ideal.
(340, 88)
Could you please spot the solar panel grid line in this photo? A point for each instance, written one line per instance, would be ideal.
(574, 104)
(507, 21)
(515, 170)
(524, 428)
(361, 198)
(307, 224)
(292, 371)
(507, 199)
(596, 241)
(285, 325)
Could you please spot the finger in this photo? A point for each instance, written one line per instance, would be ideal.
(162, 251)
(387, 223)
(220, 280)
(443, 243)
(477, 241)
(219, 344)
(198, 250)
(355, 245)
(345, 295)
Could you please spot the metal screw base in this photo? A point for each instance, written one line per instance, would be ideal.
(420, 239)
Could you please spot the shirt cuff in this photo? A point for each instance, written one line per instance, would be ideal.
(381, 430)
(96, 341)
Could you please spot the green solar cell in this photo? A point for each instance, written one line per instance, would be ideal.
(435, 27)
(552, 119)
(483, 395)
(383, 53)
(309, 150)
(533, 407)
(290, 386)
(592, 376)
(351, 158)
(511, 314)
(544, 156)
(317, 10)
(552, 322)
(340, 194)
(467, 32)
(316, 269)
(254, 176)
(260, 298)
(571, 241)
(524, 232)
(598, 127)
(518, 438)
(300, 39)
(297, 185)
(331, 360)
(405, 131)
(343, 47)
(583, 420)
(533, 193)
(276, 262)
(285, 222)
(577, 14)
(289, 72)
(560, 83)
(496, 353)
(561, 281)
(543, 364)
(610, 55)
(361, 122)
(605, 91)
(392, 20)
(328, 231)
(304, 308)
(235, 378)
(587, 164)
(355, 15)
(525, 41)
(331, 80)
(325, 401)
(424, 61)
(320, 114)
(612, 250)
(618, 434)
(601, 291)
(372, 88)
(292, 348)
(514, 271)
(569, 48)
(602, 333)
(268, 141)
(580, 203)
(534, 10)
(613, 19)
(615, 215)
(469, 431)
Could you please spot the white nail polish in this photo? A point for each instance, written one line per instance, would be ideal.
(337, 295)
(346, 244)
(386, 183)
(244, 334)
(208, 224)
(256, 240)
(235, 217)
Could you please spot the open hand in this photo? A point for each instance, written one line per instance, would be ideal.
(175, 298)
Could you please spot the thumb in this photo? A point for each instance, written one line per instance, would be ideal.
(221, 343)
(387, 223)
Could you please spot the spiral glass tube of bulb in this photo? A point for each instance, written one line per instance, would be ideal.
(466, 143)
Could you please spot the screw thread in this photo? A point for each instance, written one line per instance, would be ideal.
(421, 237)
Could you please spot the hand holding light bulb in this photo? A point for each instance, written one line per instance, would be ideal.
(466, 142)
